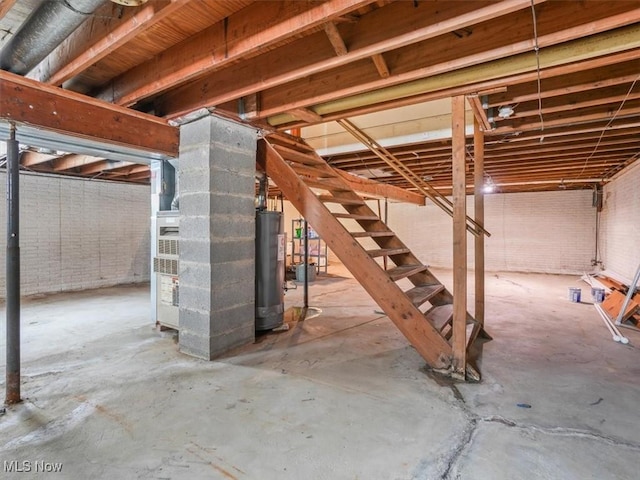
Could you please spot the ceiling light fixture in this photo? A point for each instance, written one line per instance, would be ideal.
(489, 186)
(505, 111)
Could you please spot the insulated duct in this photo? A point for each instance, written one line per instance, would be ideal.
(43, 31)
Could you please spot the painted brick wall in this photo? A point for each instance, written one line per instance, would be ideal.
(619, 239)
(551, 232)
(78, 234)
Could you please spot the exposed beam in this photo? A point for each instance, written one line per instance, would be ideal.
(249, 106)
(129, 170)
(357, 105)
(71, 161)
(5, 6)
(381, 65)
(380, 190)
(97, 167)
(26, 101)
(478, 112)
(95, 40)
(565, 85)
(306, 114)
(436, 79)
(139, 176)
(334, 37)
(572, 118)
(30, 159)
(373, 34)
(242, 35)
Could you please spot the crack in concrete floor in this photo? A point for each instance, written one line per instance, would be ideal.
(475, 421)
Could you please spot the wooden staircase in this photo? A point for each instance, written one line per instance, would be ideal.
(411, 296)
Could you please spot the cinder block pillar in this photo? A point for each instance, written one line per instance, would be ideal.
(217, 232)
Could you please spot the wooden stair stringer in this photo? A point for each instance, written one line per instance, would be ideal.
(358, 207)
(429, 343)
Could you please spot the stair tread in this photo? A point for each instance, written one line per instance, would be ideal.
(420, 294)
(440, 316)
(403, 271)
(355, 216)
(313, 170)
(325, 184)
(372, 234)
(289, 140)
(388, 251)
(293, 155)
(341, 200)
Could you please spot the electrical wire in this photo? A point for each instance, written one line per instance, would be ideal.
(539, 80)
(604, 130)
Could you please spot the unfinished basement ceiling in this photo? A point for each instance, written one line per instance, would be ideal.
(568, 70)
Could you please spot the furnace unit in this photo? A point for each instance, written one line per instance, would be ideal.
(165, 268)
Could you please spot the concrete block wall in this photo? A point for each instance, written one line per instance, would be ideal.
(619, 238)
(217, 236)
(77, 234)
(549, 232)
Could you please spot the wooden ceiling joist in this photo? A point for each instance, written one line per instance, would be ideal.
(73, 161)
(334, 37)
(478, 112)
(286, 64)
(98, 167)
(306, 114)
(397, 26)
(242, 35)
(452, 72)
(381, 65)
(30, 159)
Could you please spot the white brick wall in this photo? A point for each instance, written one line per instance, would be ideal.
(550, 232)
(620, 223)
(77, 234)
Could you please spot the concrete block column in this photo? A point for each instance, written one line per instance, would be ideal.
(217, 234)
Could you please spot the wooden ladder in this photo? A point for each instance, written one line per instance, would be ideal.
(424, 311)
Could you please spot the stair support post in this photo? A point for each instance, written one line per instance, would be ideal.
(428, 341)
(459, 340)
(478, 213)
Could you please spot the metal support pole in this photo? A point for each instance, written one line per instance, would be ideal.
(13, 272)
(306, 264)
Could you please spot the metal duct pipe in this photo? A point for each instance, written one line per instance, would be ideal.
(43, 31)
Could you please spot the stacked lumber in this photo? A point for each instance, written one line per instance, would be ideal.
(615, 300)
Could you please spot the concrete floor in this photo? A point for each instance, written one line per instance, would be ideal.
(339, 396)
